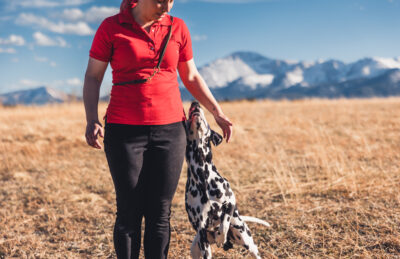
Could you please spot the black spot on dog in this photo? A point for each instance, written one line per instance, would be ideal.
(209, 157)
(198, 156)
(194, 193)
(187, 185)
(200, 173)
(240, 228)
(227, 246)
(218, 193)
(216, 206)
(248, 232)
(228, 191)
(212, 192)
(246, 246)
(229, 208)
(206, 172)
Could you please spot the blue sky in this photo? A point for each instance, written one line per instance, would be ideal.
(46, 42)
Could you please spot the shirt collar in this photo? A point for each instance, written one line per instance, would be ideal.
(125, 16)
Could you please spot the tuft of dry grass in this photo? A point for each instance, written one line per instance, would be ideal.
(325, 173)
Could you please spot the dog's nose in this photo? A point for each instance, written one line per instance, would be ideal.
(194, 105)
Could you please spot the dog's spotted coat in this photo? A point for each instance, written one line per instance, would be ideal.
(209, 200)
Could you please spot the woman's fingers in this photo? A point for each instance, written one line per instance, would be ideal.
(226, 125)
(96, 142)
(229, 133)
(92, 133)
(101, 132)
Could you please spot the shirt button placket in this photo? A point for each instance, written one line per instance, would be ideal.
(151, 47)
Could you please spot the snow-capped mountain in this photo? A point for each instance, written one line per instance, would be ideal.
(251, 75)
(37, 96)
(244, 75)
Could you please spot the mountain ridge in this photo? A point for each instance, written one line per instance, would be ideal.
(250, 75)
(35, 96)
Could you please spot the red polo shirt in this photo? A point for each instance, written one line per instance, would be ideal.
(133, 53)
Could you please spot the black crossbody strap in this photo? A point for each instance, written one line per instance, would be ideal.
(156, 68)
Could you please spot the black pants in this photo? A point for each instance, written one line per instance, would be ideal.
(145, 163)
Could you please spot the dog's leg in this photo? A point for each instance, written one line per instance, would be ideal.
(221, 234)
(195, 249)
(242, 236)
(204, 245)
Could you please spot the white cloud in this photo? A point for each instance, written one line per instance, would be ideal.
(79, 28)
(13, 40)
(44, 40)
(99, 13)
(93, 15)
(41, 59)
(74, 81)
(199, 37)
(45, 60)
(8, 50)
(47, 3)
(73, 14)
(28, 83)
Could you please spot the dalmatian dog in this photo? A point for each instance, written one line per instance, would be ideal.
(209, 200)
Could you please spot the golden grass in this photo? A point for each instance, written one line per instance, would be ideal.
(324, 173)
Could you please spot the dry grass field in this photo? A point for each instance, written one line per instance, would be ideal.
(325, 174)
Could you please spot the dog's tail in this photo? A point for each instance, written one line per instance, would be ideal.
(255, 220)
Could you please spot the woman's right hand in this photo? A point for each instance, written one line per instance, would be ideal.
(93, 130)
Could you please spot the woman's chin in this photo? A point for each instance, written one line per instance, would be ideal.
(159, 18)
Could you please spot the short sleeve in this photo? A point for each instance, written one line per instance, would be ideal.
(102, 46)
(185, 51)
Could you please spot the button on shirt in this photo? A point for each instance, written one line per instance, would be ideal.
(133, 53)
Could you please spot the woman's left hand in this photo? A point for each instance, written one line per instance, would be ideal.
(225, 124)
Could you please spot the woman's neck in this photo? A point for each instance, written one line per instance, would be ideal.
(141, 19)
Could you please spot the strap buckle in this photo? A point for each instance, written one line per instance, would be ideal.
(155, 71)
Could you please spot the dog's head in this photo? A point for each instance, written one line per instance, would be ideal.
(198, 127)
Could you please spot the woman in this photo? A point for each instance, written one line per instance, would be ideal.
(145, 136)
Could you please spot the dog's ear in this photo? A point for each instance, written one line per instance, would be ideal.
(216, 138)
